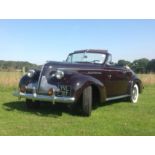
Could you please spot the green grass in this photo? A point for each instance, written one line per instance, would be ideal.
(114, 118)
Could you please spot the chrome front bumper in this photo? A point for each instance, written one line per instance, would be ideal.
(38, 97)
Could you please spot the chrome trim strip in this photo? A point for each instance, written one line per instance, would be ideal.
(40, 77)
(117, 97)
(94, 69)
(44, 97)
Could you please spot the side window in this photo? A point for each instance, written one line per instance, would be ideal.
(109, 60)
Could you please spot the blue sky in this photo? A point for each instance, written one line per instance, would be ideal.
(40, 40)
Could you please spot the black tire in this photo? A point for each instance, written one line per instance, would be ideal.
(87, 101)
(32, 104)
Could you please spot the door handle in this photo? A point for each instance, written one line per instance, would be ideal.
(109, 76)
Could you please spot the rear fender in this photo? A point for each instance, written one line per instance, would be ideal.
(138, 82)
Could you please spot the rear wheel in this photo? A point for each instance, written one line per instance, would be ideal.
(134, 93)
(32, 104)
(87, 101)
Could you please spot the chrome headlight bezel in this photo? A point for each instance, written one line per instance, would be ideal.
(31, 73)
(59, 74)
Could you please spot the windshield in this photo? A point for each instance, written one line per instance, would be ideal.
(86, 57)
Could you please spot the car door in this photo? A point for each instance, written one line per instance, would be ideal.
(115, 80)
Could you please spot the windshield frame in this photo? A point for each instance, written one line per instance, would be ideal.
(71, 54)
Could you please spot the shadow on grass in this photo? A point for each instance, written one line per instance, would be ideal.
(110, 103)
(48, 109)
(45, 109)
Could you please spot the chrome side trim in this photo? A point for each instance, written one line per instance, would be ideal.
(44, 97)
(93, 69)
(117, 97)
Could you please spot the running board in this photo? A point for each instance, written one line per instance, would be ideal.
(117, 97)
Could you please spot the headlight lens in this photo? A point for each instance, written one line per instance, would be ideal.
(59, 74)
(31, 73)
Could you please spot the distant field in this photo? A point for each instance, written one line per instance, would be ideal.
(113, 118)
(147, 79)
(9, 79)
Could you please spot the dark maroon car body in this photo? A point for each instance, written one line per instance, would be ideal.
(107, 80)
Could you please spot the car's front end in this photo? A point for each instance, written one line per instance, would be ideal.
(49, 84)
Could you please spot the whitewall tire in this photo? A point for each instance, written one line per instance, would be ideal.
(134, 93)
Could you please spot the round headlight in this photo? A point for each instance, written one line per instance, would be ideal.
(59, 74)
(30, 73)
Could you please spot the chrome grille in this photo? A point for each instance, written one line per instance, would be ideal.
(39, 81)
(65, 90)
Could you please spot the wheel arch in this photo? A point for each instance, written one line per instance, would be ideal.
(98, 94)
(139, 83)
(98, 89)
(25, 80)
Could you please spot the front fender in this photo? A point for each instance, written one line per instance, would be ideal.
(25, 80)
(80, 82)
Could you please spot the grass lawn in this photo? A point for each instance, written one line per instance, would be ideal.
(114, 118)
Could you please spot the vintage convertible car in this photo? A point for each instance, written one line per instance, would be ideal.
(87, 77)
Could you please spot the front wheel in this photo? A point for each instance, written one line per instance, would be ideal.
(134, 93)
(87, 101)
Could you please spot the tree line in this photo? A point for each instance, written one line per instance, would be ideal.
(140, 66)
(16, 65)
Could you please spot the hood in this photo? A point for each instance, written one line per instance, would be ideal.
(72, 71)
(69, 69)
(53, 65)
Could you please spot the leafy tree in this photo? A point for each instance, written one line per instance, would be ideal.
(124, 63)
(140, 65)
(151, 66)
(16, 65)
